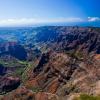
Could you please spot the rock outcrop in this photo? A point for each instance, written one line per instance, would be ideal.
(14, 49)
(8, 83)
(25, 94)
(62, 74)
(67, 64)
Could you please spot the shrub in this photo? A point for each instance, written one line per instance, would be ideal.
(87, 97)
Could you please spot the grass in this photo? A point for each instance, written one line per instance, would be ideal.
(75, 54)
(87, 97)
(12, 63)
(36, 89)
(19, 72)
(19, 65)
(24, 74)
(26, 71)
(23, 62)
(6, 63)
(79, 55)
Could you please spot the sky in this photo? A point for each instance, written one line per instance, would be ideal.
(31, 12)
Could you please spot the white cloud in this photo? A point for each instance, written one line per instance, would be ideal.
(22, 21)
(32, 21)
(93, 19)
(71, 19)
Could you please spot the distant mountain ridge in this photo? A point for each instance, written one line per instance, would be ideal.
(51, 63)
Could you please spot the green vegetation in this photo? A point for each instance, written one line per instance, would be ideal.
(7, 63)
(87, 97)
(12, 62)
(75, 54)
(79, 55)
(25, 73)
(36, 89)
(18, 66)
(23, 62)
(20, 70)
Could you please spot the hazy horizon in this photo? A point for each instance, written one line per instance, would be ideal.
(49, 12)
